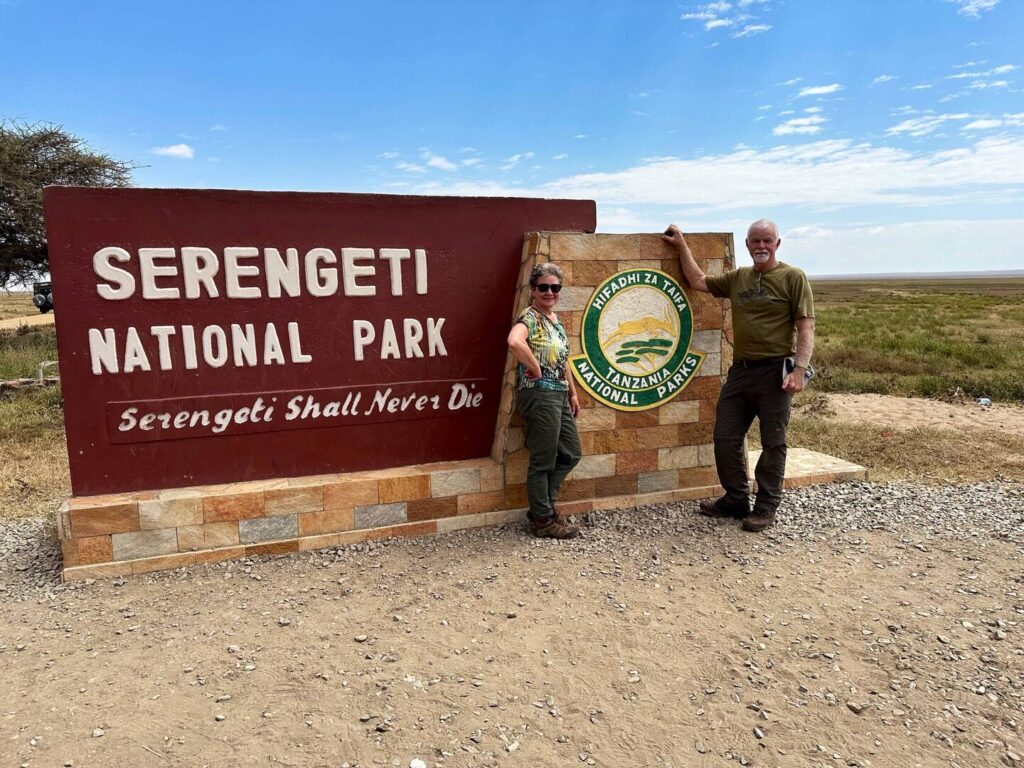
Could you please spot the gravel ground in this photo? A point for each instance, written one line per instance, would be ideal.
(875, 625)
(30, 555)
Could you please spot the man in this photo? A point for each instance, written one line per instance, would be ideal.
(773, 319)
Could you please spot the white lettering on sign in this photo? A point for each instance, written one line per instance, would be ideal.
(234, 271)
(395, 256)
(149, 270)
(243, 272)
(124, 281)
(351, 270)
(282, 273)
(271, 411)
(218, 421)
(240, 345)
(364, 334)
(164, 272)
(198, 275)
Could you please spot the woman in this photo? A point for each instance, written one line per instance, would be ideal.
(547, 400)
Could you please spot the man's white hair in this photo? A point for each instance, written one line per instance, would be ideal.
(763, 224)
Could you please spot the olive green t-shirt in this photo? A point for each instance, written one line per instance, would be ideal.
(765, 308)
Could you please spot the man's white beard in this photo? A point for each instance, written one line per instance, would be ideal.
(761, 258)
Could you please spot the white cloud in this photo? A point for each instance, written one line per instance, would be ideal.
(218, 127)
(562, 156)
(883, 79)
(388, 155)
(1015, 120)
(820, 174)
(982, 125)
(921, 87)
(820, 90)
(922, 126)
(410, 167)
(467, 150)
(469, 162)
(580, 136)
(437, 161)
(1002, 69)
(794, 81)
(986, 84)
(800, 125)
(617, 218)
(514, 160)
(753, 29)
(974, 8)
(813, 110)
(938, 245)
(181, 151)
(726, 15)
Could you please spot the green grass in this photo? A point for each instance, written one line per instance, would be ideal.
(21, 353)
(924, 338)
(28, 414)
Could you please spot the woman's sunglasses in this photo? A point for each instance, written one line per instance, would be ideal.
(545, 287)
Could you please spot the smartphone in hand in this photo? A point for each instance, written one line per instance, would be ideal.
(789, 365)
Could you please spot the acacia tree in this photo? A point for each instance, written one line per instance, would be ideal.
(32, 157)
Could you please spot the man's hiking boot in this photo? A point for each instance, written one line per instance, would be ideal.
(554, 527)
(723, 508)
(758, 520)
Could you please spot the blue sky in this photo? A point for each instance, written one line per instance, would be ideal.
(882, 136)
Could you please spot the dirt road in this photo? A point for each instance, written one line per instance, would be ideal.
(889, 637)
(32, 321)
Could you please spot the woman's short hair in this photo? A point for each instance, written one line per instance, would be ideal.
(544, 270)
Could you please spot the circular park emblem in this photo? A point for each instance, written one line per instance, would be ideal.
(636, 333)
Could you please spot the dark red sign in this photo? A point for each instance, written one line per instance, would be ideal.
(216, 336)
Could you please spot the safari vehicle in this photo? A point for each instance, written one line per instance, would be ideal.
(42, 296)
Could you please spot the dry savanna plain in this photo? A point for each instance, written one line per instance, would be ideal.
(879, 623)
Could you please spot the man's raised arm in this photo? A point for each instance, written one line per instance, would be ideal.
(694, 276)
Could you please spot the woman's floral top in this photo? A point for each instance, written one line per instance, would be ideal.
(550, 345)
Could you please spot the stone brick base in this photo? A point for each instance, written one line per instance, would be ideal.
(104, 536)
(134, 533)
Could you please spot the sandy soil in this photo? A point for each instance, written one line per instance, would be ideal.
(30, 320)
(909, 412)
(682, 643)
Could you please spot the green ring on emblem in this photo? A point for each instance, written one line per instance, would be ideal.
(643, 358)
